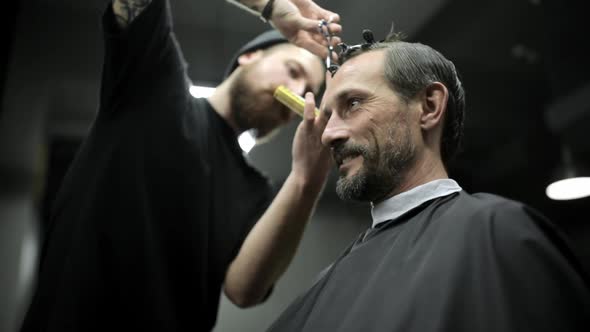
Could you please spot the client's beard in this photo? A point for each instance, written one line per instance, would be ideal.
(382, 170)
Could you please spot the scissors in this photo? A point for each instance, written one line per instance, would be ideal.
(345, 50)
(325, 31)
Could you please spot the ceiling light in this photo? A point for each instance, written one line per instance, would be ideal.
(566, 189)
(572, 181)
(246, 141)
(201, 91)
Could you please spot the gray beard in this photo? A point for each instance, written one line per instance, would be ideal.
(353, 189)
(379, 175)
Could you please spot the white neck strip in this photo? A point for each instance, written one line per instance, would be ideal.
(399, 204)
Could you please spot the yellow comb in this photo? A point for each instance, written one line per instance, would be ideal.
(294, 102)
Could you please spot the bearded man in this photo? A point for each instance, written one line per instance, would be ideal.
(160, 210)
(436, 258)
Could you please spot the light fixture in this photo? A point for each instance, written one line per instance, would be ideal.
(201, 91)
(246, 139)
(571, 182)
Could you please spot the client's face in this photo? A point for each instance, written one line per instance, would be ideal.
(252, 91)
(368, 130)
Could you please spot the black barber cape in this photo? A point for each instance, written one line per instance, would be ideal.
(457, 263)
(156, 204)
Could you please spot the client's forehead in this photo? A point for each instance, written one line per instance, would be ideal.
(366, 64)
(364, 71)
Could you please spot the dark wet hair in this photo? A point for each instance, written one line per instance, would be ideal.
(411, 67)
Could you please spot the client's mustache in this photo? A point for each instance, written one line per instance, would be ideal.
(347, 149)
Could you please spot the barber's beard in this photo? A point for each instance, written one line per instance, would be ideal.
(256, 110)
(382, 171)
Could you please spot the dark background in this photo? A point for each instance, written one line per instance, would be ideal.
(522, 63)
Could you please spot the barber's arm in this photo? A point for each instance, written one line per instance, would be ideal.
(297, 20)
(271, 244)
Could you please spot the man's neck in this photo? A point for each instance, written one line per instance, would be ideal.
(426, 169)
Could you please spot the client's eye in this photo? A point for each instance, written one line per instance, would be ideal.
(354, 102)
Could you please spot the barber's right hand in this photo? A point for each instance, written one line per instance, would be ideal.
(298, 21)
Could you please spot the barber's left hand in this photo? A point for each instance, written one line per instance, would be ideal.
(312, 161)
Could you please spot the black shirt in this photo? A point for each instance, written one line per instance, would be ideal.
(155, 205)
(457, 263)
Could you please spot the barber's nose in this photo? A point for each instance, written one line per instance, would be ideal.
(336, 131)
(297, 85)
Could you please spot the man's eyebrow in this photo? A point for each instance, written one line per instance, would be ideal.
(342, 96)
(338, 99)
(345, 94)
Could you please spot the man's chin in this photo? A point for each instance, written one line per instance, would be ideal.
(350, 187)
(349, 171)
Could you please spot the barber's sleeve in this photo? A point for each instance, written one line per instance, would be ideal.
(141, 61)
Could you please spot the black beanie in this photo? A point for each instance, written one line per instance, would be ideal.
(262, 41)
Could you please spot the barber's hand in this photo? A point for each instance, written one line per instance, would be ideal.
(312, 160)
(298, 21)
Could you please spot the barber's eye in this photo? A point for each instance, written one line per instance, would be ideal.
(293, 71)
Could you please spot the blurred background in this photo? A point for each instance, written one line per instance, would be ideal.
(521, 61)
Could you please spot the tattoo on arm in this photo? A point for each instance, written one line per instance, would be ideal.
(127, 10)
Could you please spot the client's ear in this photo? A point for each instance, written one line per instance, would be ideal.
(434, 105)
